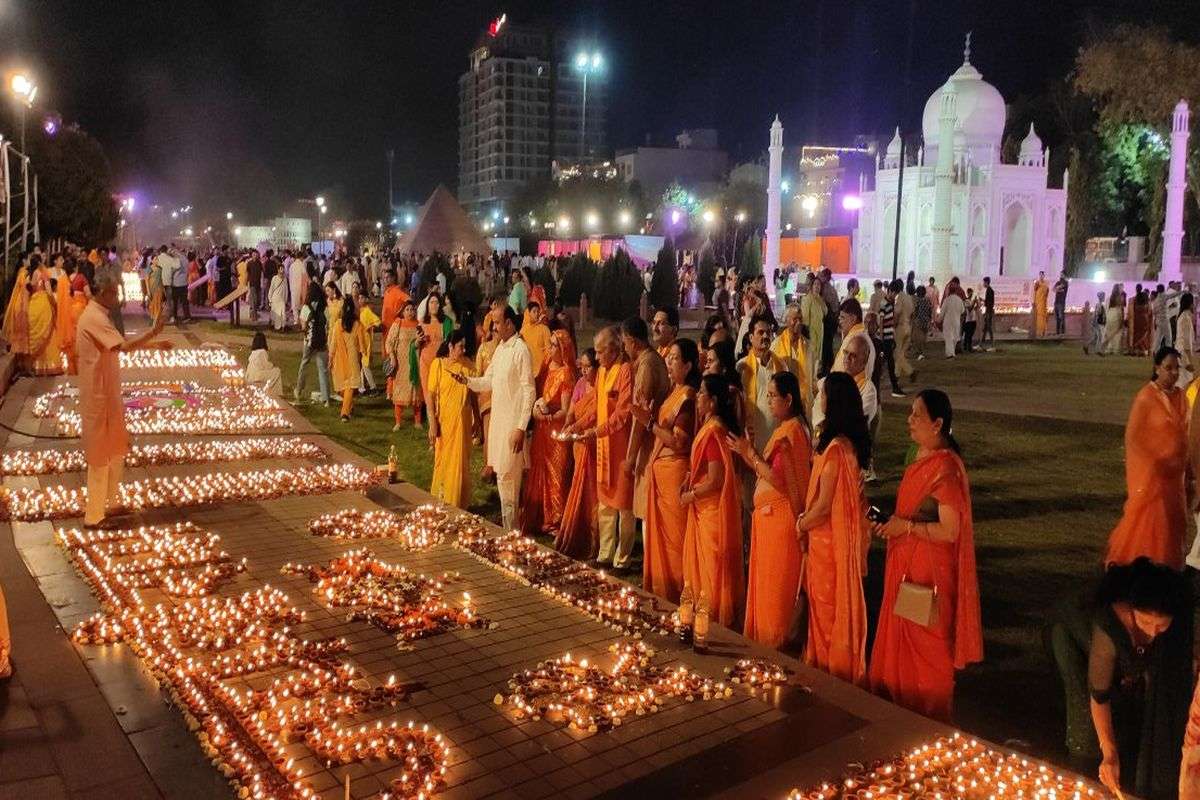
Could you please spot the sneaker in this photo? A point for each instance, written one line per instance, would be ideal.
(898, 393)
(396, 427)
(345, 418)
(920, 356)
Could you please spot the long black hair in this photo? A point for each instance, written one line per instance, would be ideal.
(724, 351)
(788, 385)
(724, 404)
(937, 405)
(690, 354)
(844, 417)
(441, 315)
(1145, 586)
(349, 314)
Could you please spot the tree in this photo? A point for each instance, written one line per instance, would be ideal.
(1135, 76)
(751, 264)
(579, 278)
(619, 288)
(706, 274)
(664, 282)
(74, 187)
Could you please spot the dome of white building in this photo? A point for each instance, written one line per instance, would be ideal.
(979, 110)
(1031, 149)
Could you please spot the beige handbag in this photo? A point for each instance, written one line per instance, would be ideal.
(916, 602)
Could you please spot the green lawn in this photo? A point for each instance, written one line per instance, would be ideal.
(1047, 487)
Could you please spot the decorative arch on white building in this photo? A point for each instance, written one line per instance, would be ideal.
(1017, 240)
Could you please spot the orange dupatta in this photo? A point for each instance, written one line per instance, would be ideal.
(1154, 520)
(835, 566)
(776, 561)
(712, 550)
(665, 526)
(912, 664)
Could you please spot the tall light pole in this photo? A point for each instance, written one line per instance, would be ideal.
(24, 89)
(586, 63)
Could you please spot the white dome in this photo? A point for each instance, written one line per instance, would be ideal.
(893, 148)
(1031, 147)
(979, 110)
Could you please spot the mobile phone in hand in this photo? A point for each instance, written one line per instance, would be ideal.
(876, 515)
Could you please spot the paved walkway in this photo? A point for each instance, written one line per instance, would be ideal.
(84, 721)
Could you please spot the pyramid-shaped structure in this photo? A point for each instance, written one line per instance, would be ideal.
(443, 226)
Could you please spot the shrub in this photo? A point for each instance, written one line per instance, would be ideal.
(664, 282)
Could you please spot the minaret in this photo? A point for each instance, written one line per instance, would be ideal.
(942, 183)
(1176, 186)
(774, 182)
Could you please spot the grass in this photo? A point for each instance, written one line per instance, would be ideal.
(1041, 426)
(369, 432)
(1047, 487)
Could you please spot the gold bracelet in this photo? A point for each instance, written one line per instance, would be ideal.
(908, 527)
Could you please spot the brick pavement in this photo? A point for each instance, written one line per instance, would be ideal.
(79, 720)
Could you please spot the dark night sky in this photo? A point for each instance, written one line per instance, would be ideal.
(250, 105)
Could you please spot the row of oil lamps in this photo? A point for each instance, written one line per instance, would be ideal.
(53, 462)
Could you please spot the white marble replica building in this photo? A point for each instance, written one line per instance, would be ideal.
(964, 212)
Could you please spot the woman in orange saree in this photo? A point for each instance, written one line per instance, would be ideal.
(833, 526)
(672, 427)
(577, 534)
(80, 293)
(713, 582)
(550, 456)
(435, 328)
(783, 472)
(1154, 522)
(931, 543)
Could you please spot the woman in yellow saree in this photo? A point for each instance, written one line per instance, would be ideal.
(45, 342)
(453, 416)
(16, 315)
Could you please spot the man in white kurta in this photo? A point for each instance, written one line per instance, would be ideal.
(297, 277)
(509, 377)
(101, 407)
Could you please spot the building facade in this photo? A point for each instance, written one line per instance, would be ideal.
(696, 162)
(521, 106)
(964, 212)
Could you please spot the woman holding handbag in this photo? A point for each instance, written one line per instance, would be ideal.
(929, 623)
(782, 473)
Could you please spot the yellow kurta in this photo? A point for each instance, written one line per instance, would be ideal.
(794, 352)
(369, 321)
(345, 356)
(452, 453)
(538, 338)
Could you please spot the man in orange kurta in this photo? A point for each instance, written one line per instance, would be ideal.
(614, 484)
(651, 385)
(105, 440)
(1154, 521)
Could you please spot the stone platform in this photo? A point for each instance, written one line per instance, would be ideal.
(88, 720)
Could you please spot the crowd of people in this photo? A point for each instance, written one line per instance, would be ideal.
(738, 464)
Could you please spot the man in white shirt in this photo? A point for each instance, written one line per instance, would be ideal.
(297, 277)
(952, 314)
(509, 377)
(854, 364)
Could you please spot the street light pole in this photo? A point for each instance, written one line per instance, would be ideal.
(586, 63)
